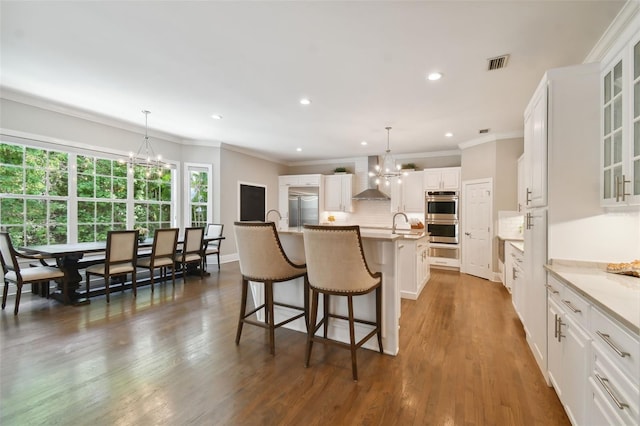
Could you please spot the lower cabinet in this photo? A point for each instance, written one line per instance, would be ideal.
(593, 361)
(413, 266)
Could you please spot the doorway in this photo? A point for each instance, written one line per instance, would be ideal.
(477, 211)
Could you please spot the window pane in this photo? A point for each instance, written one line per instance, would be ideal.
(119, 169)
(35, 182)
(58, 184)
(607, 87)
(103, 187)
(16, 233)
(165, 213)
(636, 138)
(11, 180)
(607, 119)
(617, 78)
(104, 213)
(58, 212)
(36, 234)
(58, 161)
(636, 177)
(85, 186)
(58, 234)
(636, 100)
(102, 231)
(617, 113)
(36, 211)
(140, 214)
(86, 233)
(153, 191)
(11, 154)
(120, 213)
(607, 184)
(11, 211)
(617, 147)
(36, 158)
(607, 152)
(85, 164)
(103, 167)
(636, 61)
(154, 213)
(120, 188)
(86, 211)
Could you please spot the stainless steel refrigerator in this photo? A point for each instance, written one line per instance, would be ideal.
(303, 206)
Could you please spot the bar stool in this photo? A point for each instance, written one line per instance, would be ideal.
(262, 259)
(336, 266)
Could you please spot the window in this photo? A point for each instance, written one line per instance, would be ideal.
(198, 185)
(34, 194)
(39, 188)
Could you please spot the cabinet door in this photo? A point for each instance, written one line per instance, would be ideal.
(634, 172)
(396, 196)
(333, 193)
(347, 192)
(536, 150)
(451, 179)
(289, 180)
(554, 366)
(575, 362)
(612, 133)
(412, 193)
(521, 185)
(432, 180)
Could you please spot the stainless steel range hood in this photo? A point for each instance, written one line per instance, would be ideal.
(372, 193)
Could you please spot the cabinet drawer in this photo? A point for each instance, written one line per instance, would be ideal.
(617, 343)
(576, 307)
(622, 395)
(309, 180)
(555, 289)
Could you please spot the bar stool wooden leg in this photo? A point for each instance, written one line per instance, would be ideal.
(243, 309)
(352, 338)
(272, 321)
(325, 312)
(312, 325)
(379, 316)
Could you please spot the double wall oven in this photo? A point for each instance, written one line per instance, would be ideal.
(441, 216)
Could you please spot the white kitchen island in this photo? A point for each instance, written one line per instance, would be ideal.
(380, 250)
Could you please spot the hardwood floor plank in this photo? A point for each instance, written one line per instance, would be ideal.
(170, 358)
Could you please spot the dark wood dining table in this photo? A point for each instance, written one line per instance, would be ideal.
(68, 258)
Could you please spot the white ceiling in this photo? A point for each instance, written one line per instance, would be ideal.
(363, 65)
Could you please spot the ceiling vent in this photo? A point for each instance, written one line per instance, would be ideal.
(483, 131)
(498, 62)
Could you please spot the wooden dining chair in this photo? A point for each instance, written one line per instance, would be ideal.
(212, 247)
(192, 250)
(32, 275)
(336, 266)
(120, 259)
(163, 253)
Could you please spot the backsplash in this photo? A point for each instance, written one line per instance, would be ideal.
(373, 213)
(510, 224)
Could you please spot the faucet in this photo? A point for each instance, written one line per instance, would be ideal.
(393, 228)
(270, 211)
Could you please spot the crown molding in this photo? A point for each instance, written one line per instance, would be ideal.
(49, 105)
(491, 138)
(614, 33)
(250, 153)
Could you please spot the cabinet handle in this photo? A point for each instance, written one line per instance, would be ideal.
(551, 289)
(513, 273)
(624, 184)
(570, 306)
(555, 327)
(604, 382)
(608, 341)
(528, 198)
(560, 324)
(529, 221)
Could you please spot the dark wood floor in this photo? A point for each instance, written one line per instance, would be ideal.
(170, 358)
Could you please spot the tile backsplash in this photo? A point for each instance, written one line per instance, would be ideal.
(510, 224)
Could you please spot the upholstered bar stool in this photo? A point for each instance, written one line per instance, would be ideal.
(336, 266)
(262, 259)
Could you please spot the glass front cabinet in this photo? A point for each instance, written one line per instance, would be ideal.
(620, 142)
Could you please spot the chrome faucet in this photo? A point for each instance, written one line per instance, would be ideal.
(393, 228)
(271, 211)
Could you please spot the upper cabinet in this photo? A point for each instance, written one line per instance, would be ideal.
(446, 178)
(620, 137)
(338, 192)
(408, 196)
(300, 180)
(535, 148)
(521, 184)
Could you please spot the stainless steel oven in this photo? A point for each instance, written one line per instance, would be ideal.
(441, 205)
(443, 231)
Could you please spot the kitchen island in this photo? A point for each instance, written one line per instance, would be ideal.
(380, 250)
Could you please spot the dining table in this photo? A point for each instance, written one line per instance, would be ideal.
(69, 258)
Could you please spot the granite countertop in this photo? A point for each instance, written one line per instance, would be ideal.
(379, 233)
(617, 295)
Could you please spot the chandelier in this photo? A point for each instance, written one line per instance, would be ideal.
(389, 168)
(146, 157)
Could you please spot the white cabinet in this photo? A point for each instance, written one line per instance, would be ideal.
(444, 255)
(338, 192)
(300, 180)
(535, 148)
(413, 266)
(408, 196)
(569, 349)
(522, 187)
(514, 275)
(620, 138)
(446, 178)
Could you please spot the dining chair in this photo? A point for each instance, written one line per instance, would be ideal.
(192, 250)
(163, 253)
(212, 247)
(120, 259)
(262, 259)
(336, 266)
(20, 276)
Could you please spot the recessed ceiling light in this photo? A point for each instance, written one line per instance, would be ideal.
(298, 149)
(305, 101)
(434, 76)
(363, 143)
(216, 117)
(448, 134)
